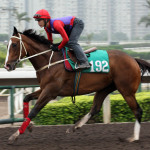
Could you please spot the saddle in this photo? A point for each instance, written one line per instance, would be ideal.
(74, 59)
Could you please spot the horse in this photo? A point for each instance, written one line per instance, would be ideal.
(124, 75)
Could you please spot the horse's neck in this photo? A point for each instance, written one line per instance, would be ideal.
(41, 60)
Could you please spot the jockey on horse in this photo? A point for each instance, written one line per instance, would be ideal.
(69, 28)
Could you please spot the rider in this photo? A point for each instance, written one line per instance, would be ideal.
(69, 28)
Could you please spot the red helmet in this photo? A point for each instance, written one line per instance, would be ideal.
(42, 14)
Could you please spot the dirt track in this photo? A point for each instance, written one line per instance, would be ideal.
(89, 137)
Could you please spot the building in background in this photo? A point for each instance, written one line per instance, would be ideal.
(32, 6)
(138, 10)
(94, 15)
(7, 17)
(125, 15)
(112, 16)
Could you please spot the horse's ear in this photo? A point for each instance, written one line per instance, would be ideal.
(15, 31)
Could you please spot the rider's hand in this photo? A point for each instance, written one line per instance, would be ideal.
(54, 48)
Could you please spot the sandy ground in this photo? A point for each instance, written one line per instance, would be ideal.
(89, 137)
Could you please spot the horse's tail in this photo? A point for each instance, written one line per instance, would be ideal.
(144, 65)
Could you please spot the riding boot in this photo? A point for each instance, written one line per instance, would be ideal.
(81, 66)
(82, 58)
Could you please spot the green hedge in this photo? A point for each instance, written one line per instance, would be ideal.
(64, 112)
(121, 111)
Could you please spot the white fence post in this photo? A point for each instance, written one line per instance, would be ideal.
(18, 99)
(106, 110)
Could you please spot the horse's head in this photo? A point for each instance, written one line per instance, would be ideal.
(15, 52)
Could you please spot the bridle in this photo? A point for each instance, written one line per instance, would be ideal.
(21, 45)
(44, 67)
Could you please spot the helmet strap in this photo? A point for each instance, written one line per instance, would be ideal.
(45, 22)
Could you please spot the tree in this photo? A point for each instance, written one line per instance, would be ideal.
(146, 37)
(102, 36)
(118, 36)
(20, 17)
(146, 19)
(89, 38)
(3, 37)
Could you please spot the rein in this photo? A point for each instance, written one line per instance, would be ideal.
(44, 67)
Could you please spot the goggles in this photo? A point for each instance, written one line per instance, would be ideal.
(37, 16)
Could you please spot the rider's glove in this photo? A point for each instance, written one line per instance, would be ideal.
(54, 48)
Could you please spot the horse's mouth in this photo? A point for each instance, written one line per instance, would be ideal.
(10, 67)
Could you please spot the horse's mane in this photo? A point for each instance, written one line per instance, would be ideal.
(33, 35)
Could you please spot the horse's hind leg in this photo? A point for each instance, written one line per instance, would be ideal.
(128, 90)
(97, 103)
(134, 106)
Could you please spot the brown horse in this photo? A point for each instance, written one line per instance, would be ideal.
(124, 76)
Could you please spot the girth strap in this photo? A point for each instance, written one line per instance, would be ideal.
(76, 85)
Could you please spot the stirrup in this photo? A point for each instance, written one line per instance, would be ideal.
(79, 69)
(76, 67)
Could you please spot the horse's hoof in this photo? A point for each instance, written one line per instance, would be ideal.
(132, 139)
(72, 129)
(30, 127)
(68, 131)
(13, 137)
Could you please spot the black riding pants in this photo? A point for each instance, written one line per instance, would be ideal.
(73, 40)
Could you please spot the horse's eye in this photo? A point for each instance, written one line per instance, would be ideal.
(14, 44)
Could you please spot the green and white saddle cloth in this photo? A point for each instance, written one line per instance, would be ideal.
(98, 59)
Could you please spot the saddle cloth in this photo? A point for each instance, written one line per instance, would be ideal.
(98, 59)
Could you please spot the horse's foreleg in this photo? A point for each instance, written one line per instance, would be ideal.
(26, 100)
(97, 104)
(15, 136)
(43, 99)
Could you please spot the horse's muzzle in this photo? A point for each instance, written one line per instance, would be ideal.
(10, 66)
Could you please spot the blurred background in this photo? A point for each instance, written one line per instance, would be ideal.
(105, 20)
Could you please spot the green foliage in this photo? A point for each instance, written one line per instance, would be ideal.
(88, 38)
(135, 45)
(64, 112)
(3, 37)
(146, 19)
(3, 50)
(146, 37)
(119, 36)
(142, 55)
(103, 36)
(21, 16)
(2, 59)
(121, 111)
(111, 47)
